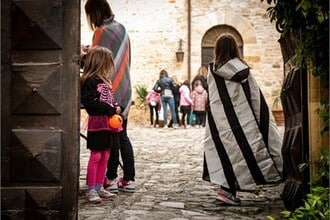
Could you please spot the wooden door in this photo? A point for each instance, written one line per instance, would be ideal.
(295, 147)
(40, 46)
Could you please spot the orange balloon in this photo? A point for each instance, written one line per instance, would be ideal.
(115, 121)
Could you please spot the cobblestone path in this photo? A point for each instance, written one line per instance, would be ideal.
(169, 185)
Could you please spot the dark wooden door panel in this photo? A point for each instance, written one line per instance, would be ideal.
(37, 24)
(295, 149)
(36, 159)
(40, 42)
(37, 89)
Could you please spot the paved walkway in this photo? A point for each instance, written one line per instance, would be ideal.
(169, 185)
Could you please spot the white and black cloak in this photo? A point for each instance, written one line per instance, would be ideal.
(242, 147)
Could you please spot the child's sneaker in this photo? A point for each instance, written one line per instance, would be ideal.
(126, 186)
(93, 196)
(227, 198)
(106, 195)
(111, 185)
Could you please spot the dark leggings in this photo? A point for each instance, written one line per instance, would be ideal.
(199, 117)
(152, 110)
(186, 111)
(127, 155)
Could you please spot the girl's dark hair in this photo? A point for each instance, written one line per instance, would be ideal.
(163, 73)
(225, 49)
(187, 83)
(96, 11)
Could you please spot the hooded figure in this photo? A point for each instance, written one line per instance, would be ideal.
(242, 147)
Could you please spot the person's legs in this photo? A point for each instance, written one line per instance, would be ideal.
(204, 118)
(113, 163)
(164, 105)
(151, 109)
(102, 166)
(188, 115)
(126, 183)
(227, 196)
(92, 166)
(100, 172)
(177, 112)
(183, 118)
(157, 115)
(110, 182)
(127, 155)
(199, 118)
(172, 108)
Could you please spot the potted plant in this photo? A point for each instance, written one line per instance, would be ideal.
(277, 109)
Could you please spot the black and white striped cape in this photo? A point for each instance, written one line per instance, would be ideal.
(242, 147)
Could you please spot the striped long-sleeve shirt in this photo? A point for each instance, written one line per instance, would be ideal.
(113, 36)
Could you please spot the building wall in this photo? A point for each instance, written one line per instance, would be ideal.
(156, 27)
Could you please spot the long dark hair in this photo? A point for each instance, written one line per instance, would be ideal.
(96, 11)
(225, 49)
(162, 74)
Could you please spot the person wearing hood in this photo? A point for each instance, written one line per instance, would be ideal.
(199, 99)
(242, 145)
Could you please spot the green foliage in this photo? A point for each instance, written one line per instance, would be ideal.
(276, 99)
(323, 112)
(141, 92)
(316, 206)
(321, 176)
(307, 22)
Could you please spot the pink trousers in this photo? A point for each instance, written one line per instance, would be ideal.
(96, 167)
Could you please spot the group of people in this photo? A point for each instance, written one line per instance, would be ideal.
(242, 146)
(181, 98)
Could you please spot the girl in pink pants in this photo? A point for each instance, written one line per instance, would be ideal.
(98, 100)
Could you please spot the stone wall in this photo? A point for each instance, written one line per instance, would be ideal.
(156, 27)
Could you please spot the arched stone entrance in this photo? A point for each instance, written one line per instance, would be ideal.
(211, 26)
(210, 37)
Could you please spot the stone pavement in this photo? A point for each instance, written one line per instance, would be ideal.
(169, 185)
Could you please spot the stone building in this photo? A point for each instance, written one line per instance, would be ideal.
(158, 28)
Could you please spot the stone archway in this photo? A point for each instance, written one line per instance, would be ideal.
(210, 37)
(209, 25)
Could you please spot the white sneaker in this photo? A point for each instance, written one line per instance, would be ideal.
(175, 126)
(126, 186)
(106, 195)
(93, 196)
(111, 185)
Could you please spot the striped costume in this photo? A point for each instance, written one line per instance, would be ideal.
(242, 146)
(115, 38)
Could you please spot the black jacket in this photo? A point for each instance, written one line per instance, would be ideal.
(164, 83)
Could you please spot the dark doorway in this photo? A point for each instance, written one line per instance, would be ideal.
(210, 38)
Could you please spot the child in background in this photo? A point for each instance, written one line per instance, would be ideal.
(185, 103)
(153, 101)
(199, 99)
(98, 100)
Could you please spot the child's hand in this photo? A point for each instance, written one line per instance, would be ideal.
(85, 48)
(118, 110)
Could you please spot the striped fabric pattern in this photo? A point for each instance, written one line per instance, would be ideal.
(242, 147)
(113, 36)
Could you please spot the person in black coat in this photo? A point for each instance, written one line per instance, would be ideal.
(165, 86)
